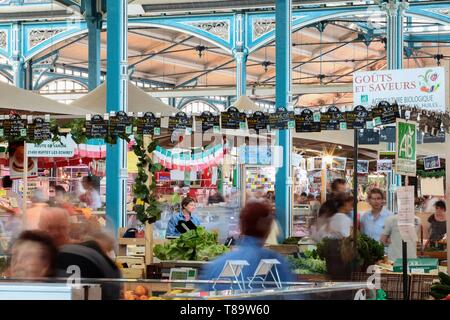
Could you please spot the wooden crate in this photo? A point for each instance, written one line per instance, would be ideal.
(284, 249)
(391, 283)
(136, 267)
(420, 286)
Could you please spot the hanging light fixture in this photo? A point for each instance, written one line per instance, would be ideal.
(200, 50)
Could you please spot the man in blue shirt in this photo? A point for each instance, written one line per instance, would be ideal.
(372, 222)
(255, 221)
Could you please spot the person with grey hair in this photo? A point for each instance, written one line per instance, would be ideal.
(33, 214)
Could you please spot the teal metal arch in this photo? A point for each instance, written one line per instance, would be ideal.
(6, 75)
(6, 43)
(303, 18)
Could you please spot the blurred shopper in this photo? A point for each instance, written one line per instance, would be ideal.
(335, 222)
(303, 198)
(255, 221)
(184, 215)
(91, 196)
(215, 197)
(372, 222)
(33, 214)
(438, 223)
(55, 222)
(33, 256)
(392, 238)
(338, 186)
(11, 201)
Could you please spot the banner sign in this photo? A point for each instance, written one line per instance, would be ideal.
(54, 149)
(405, 159)
(422, 87)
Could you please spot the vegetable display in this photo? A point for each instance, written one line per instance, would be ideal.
(196, 245)
(441, 290)
(369, 251)
(308, 263)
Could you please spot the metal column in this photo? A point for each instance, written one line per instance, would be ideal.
(283, 179)
(18, 64)
(117, 100)
(395, 47)
(94, 23)
(240, 53)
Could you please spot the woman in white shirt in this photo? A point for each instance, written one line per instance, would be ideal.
(333, 216)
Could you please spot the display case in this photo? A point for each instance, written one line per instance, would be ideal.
(184, 289)
(302, 219)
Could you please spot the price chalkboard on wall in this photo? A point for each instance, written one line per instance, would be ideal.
(233, 119)
(208, 121)
(180, 122)
(258, 121)
(368, 136)
(39, 129)
(304, 122)
(333, 119)
(147, 123)
(96, 127)
(282, 119)
(357, 118)
(14, 126)
(120, 123)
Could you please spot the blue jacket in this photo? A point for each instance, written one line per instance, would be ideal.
(250, 249)
(172, 231)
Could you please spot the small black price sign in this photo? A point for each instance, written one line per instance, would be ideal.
(368, 136)
(233, 119)
(39, 130)
(180, 122)
(333, 119)
(148, 124)
(282, 119)
(209, 121)
(96, 127)
(357, 118)
(14, 126)
(304, 122)
(258, 121)
(385, 113)
(120, 123)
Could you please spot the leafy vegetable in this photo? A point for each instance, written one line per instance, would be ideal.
(308, 263)
(198, 245)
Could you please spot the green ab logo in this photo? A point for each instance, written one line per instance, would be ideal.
(407, 144)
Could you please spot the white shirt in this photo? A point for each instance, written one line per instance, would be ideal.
(337, 227)
(395, 246)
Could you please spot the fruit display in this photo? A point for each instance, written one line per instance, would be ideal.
(140, 292)
(441, 290)
(194, 245)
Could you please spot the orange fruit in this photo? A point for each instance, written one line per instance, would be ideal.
(128, 294)
(140, 290)
(143, 297)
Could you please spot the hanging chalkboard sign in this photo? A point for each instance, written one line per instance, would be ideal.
(14, 126)
(333, 119)
(233, 119)
(208, 121)
(39, 129)
(96, 127)
(357, 118)
(304, 122)
(429, 138)
(368, 136)
(180, 122)
(258, 121)
(387, 134)
(385, 113)
(281, 120)
(120, 124)
(148, 124)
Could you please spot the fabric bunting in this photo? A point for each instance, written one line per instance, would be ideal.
(189, 162)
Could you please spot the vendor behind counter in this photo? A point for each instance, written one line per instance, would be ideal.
(184, 215)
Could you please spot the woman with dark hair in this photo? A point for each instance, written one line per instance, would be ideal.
(438, 223)
(185, 215)
(255, 222)
(334, 220)
(33, 256)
